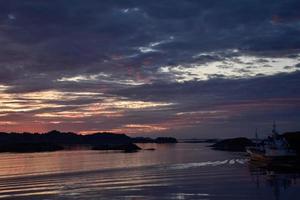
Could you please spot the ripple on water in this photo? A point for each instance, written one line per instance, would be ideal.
(210, 175)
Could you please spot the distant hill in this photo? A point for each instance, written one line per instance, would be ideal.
(160, 140)
(56, 140)
(63, 138)
(233, 144)
(239, 144)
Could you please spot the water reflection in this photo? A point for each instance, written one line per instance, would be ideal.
(181, 171)
(279, 180)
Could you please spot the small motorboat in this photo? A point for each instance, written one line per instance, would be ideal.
(274, 150)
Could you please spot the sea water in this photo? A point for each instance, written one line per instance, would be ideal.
(172, 171)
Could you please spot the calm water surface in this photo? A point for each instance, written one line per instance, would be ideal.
(181, 171)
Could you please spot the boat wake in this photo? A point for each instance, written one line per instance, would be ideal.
(209, 163)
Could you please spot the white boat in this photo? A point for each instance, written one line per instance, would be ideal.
(273, 149)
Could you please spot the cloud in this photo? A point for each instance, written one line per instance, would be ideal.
(197, 57)
(233, 68)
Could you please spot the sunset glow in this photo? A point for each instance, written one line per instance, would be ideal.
(143, 68)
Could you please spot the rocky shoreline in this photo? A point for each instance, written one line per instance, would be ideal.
(55, 141)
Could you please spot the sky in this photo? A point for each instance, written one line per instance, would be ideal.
(188, 68)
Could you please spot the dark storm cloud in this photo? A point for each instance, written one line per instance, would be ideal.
(77, 37)
(118, 48)
(219, 91)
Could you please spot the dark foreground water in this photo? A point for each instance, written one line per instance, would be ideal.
(181, 171)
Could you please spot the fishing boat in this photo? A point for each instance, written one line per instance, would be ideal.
(273, 150)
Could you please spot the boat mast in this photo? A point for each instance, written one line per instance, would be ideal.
(256, 138)
(256, 134)
(274, 131)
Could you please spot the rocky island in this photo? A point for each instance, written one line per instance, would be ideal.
(159, 140)
(56, 140)
(233, 144)
(239, 144)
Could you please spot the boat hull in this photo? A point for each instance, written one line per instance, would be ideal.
(273, 161)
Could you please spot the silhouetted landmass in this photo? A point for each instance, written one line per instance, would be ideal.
(200, 140)
(130, 147)
(239, 144)
(234, 144)
(160, 140)
(62, 138)
(143, 140)
(293, 139)
(55, 140)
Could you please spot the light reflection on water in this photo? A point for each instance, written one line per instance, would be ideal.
(280, 181)
(181, 171)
